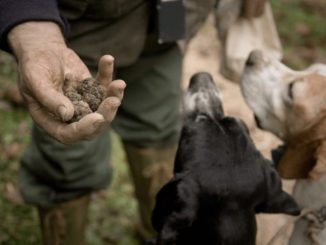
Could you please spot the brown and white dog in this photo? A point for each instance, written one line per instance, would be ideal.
(292, 105)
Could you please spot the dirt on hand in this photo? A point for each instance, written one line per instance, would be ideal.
(86, 96)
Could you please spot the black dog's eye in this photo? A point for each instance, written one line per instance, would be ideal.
(290, 89)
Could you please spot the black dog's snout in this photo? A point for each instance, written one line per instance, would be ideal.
(254, 57)
(200, 81)
(203, 97)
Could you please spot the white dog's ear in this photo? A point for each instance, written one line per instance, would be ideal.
(304, 151)
(296, 161)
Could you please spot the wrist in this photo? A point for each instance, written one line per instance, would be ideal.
(30, 36)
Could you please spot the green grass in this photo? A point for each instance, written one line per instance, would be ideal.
(113, 213)
(18, 222)
(302, 32)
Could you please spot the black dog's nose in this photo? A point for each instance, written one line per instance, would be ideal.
(254, 57)
(201, 80)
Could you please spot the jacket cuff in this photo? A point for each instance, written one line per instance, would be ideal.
(14, 12)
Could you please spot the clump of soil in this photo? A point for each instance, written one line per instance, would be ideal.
(86, 96)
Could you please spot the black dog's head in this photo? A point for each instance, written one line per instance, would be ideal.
(220, 179)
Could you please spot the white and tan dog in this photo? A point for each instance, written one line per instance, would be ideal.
(292, 105)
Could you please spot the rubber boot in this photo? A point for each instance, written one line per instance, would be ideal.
(150, 169)
(65, 223)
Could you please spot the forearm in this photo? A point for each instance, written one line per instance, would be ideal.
(33, 35)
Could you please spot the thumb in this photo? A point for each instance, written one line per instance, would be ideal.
(51, 99)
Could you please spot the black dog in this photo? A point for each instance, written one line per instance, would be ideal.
(220, 179)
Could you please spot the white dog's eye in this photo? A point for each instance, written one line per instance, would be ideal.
(290, 89)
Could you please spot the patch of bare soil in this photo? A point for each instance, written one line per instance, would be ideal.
(203, 55)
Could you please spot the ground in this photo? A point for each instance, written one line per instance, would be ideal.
(113, 211)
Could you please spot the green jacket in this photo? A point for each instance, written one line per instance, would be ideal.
(120, 27)
(116, 27)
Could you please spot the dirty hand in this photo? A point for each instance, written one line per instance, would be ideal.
(253, 8)
(44, 62)
(229, 11)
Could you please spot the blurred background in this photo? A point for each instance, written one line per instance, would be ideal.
(113, 211)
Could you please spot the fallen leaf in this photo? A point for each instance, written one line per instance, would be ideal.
(12, 194)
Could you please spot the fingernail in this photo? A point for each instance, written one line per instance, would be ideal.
(62, 111)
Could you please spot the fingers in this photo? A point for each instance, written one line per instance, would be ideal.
(116, 89)
(253, 8)
(108, 108)
(105, 76)
(37, 83)
(259, 11)
(86, 128)
(90, 125)
(53, 100)
(105, 70)
(47, 121)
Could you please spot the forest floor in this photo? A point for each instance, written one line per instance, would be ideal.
(114, 211)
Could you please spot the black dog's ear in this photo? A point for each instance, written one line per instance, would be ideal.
(282, 203)
(276, 200)
(164, 203)
(176, 208)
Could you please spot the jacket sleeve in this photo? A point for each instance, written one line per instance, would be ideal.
(14, 12)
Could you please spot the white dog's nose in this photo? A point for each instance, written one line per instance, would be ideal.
(255, 57)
